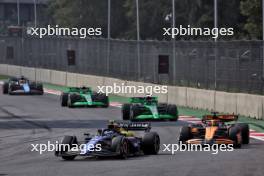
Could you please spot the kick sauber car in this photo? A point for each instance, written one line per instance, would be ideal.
(117, 140)
(22, 86)
(148, 108)
(215, 130)
(83, 97)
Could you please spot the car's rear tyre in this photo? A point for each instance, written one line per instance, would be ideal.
(126, 111)
(120, 146)
(105, 100)
(233, 135)
(244, 132)
(151, 143)
(185, 134)
(68, 141)
(173, 111)
(39, 87)
(5, 88)
(64, 99)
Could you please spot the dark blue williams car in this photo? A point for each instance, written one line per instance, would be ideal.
(117, 140)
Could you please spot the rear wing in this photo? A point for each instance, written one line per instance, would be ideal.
(135, 126)
(221, 117)
(143, 99)
(14, 79)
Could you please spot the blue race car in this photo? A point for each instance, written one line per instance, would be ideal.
(22, 86)
(117, 140)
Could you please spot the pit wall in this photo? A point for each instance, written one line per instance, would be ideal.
(238, 103)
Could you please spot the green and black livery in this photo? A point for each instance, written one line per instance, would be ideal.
(148, 108)
(83, 97)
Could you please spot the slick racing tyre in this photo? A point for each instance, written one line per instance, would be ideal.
(134, 112)
(151, 143)
(70, 142)
(185, 134)
(105, 100)
(120, 146)
(100, 97)
(126, 111)
(172, 110)
(233, 135)
(11, 88)
(64, 99)
(39, 87)
(244, 132)
(72, 98)
(5, 88)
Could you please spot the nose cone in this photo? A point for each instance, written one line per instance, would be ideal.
(209, 133)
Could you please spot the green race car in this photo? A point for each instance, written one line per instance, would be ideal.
(148, 108)
(83, 97)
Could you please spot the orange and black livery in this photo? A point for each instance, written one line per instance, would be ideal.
(214, 129)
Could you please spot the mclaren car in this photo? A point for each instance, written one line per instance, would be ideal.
(216, 129)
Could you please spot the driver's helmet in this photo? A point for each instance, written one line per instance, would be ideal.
(113, 126)
(149, 99)
(83, 89)
(22, 80)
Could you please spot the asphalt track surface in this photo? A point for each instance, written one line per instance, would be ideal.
(26, 120)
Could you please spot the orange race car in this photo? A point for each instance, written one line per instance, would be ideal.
(215, 130)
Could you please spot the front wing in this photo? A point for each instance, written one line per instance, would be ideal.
(159, 117)
(210, 142)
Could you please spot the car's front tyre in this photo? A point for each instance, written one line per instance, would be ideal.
(173, 111)
(67, 143)
(120, 146)
(244, 132)
(126, 111)
(64, 99)
(151, 143)
(185, 134)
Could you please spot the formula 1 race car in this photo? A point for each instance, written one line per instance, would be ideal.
(148, 108)
(215, 130)
(117, 140)
(83, 97)
(22, 86)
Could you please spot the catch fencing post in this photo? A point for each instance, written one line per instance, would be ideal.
(173, 43)
(215, 51)
(138, 41)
